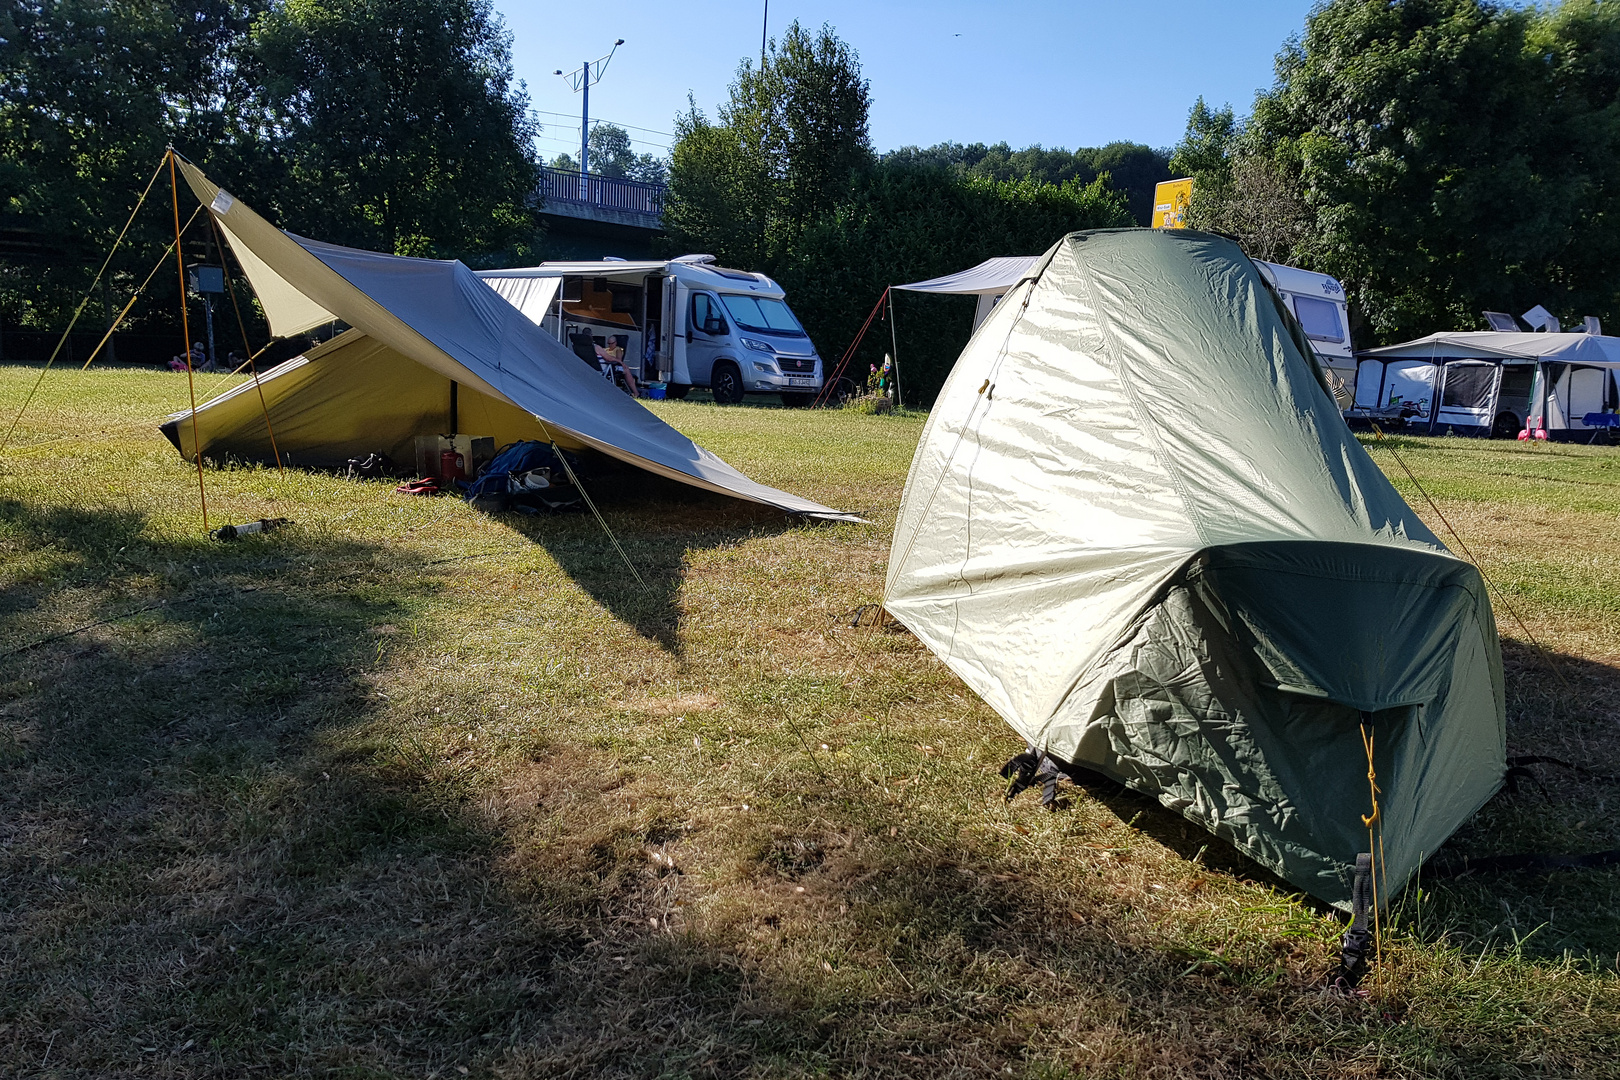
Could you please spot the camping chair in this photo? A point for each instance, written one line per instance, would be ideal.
(585, 348)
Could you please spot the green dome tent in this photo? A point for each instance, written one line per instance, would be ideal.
(1138, 527)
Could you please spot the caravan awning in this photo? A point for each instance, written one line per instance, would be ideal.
(414, 314)
(993, 277)
(1589, 349)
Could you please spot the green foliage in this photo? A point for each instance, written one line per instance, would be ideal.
(788, 140)
(1448, 156)
(902, 223)
(391, 124)
(1131, 167)
(1204, 152)
(399, 125)
(90, 93)
(786, 182)
(613, 155)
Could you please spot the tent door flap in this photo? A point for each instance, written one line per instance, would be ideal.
(1468, 394)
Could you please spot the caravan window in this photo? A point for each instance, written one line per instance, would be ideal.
(1319, 318)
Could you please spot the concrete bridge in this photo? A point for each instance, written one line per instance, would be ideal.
(589, 216)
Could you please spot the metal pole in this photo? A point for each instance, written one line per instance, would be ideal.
(585, 129)
(208, 311)
(764, 28)
(894, 344)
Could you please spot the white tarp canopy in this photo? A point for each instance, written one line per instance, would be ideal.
(420, 325)
(989, 281)
(993, 276)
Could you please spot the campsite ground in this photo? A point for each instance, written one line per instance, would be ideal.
(406, 790)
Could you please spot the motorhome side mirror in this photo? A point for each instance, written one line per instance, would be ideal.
(714, 326)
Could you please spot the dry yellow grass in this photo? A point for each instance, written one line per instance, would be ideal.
(405, 791)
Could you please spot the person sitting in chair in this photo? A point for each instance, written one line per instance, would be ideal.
(612, 354)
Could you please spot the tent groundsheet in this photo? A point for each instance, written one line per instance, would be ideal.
(1138, 527)
(423, 333)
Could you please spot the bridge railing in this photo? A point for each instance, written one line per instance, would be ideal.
(604, 192)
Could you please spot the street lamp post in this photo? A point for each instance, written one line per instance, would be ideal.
(588, 75)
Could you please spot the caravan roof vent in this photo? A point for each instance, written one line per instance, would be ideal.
(1502, 321)
(697, 260)
(1541, 320)
(1594, 326)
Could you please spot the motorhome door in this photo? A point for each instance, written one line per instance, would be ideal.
(676, 318)
(1468, 394)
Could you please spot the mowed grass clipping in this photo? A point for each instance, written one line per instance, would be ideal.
(406, 790)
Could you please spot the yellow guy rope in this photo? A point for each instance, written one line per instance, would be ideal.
(1374, 821)
(136, 295)
(80, 309)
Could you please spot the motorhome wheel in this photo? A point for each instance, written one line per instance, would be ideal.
(725, 382)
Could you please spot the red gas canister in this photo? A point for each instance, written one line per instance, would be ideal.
(452, 466)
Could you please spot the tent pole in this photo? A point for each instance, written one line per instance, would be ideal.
(242, 326)
(453, 418)
(185, 328)
(894, 346)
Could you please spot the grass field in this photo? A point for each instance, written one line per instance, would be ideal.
(403, 790)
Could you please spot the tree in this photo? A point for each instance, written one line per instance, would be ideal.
(1131, 168)
(1454, 155)
(613, 155)
(789, 139)
(400, 126)
(90, 94)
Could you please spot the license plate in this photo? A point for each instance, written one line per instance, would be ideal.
(801, 382)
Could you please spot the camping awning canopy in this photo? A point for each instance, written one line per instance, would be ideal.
(992, 277)
(441, 316)
(1589, 349)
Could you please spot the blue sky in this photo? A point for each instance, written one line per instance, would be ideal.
(1031, 71)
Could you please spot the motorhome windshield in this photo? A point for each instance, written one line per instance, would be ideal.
(762, 314)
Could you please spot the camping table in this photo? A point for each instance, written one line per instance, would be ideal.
(1601, 420)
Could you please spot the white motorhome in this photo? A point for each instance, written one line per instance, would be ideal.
(682, 322)
(1318, 301)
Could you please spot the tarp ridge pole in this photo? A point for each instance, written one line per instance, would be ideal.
(80, 309)
(246, 344)
(185, 328)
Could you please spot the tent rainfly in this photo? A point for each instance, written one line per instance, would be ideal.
(1137, 526)
(989, 281)
(430, 348)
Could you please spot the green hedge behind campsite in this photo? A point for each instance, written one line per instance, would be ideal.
(903, 222)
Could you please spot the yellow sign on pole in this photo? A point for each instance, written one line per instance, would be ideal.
(1170, 199)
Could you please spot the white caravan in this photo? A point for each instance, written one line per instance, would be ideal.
(1318, 301)
(683, 322)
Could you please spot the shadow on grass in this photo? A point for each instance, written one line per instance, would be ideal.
(201, 838)
(658, 523)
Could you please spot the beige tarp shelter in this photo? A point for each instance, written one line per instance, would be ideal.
(1137, 526)
(431, 348)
